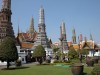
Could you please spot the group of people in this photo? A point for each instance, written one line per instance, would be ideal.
(65, 58)
(48, 58)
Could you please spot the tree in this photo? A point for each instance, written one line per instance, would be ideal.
(8, 51)
(72, 53)
(39, 53)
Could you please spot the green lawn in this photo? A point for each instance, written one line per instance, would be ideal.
(41, 70)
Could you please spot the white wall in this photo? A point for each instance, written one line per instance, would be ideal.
(96, 53)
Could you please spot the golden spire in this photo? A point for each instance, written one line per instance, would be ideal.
(31, 29)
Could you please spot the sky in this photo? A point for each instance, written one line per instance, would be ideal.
(83, 15)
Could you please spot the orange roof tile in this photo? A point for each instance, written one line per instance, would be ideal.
(76, 46)
(26, 45)
(27, 36)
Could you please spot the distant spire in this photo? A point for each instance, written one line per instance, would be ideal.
(6, 4)
(81, 38)
(60, 32)
(63, 28)
(73, 36)
(91, 37)
(63, 39)
(78, 40)
(73, 32)
(18, 29)
(85, 38)
(41, 16)
(31, 29)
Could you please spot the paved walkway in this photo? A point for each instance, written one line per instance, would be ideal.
(2, 66)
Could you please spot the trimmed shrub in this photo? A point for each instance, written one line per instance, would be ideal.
(57, 61)
(67, 61)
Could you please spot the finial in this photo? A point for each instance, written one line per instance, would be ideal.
(91, 37)
(41, 6)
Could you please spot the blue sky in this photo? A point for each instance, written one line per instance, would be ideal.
(83, 15)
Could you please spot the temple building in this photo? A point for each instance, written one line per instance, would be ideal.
(90, 45)
(6, 28)
(33, 38)
(27, 41)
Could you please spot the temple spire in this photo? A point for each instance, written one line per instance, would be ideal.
(41, 16)
(31, 29)
(73, 36)
(60, 31)
(5, 20)
(18, 30)
(41, 35)
(63, 39)
(73, 32)
(85, 39)
(63, 28)
(81, 38)
(6, 4)
(91, 37)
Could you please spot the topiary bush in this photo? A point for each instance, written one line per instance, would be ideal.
(39, 53)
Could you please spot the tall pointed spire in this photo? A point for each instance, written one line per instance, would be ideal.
(91, 37)
(31, 29)
(60, 31)
(41, 16)
(63, 28)
(18, 30)
(73, 36)
(41, 36)
(63, 37)
(81, 38)
(6, 4)
(85, 39)
(73, 32)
